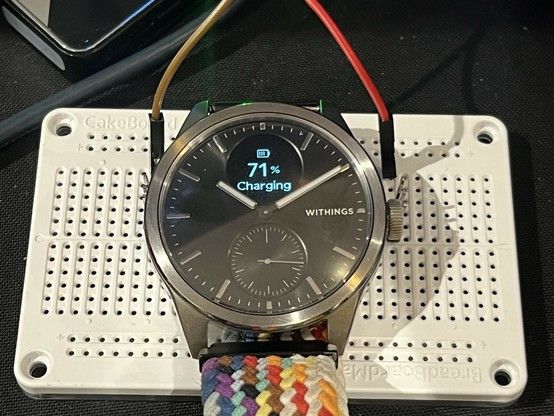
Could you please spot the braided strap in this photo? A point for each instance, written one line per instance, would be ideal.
(250, 386)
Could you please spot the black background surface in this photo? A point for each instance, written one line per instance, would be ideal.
(448, 57)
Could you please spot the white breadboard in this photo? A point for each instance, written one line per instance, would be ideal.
(440, 321)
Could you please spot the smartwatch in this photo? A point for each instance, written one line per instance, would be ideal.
(266, 221)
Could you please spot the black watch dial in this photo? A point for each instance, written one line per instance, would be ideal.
(266, 217)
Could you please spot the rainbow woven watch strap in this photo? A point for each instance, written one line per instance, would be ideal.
(293, 386)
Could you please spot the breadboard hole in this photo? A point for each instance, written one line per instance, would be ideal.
(415, 351)
(419, 148)
(126, 346)
(445, 268)
(103, 278)
(97, 203)
(119, 143)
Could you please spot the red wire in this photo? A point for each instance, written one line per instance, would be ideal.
(357, 64)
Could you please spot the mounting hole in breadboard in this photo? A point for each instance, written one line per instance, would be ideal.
(502, 378)
(63, 130)
(61, 124)
(485, 137)
(35, 365)
(488, 131)
(38, 370)
(504, 373)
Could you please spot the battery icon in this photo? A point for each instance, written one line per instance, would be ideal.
(263, 153)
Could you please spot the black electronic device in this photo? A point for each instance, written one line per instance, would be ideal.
(82, 37)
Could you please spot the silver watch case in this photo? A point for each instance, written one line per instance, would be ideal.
(185, 294)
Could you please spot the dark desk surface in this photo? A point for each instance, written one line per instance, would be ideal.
(450, 57)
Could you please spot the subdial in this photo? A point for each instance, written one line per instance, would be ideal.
(268, 260)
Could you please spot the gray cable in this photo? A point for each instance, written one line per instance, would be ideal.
(152, 56)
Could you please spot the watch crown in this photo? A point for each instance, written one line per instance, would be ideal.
(395, 213)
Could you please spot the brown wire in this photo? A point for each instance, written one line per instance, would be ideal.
(180, 56)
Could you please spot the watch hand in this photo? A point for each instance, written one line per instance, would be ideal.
(239, 196)
(310, 185)
(269, 261)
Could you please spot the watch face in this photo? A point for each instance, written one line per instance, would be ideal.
(265, 216)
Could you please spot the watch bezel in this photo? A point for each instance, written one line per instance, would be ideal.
(265, 323)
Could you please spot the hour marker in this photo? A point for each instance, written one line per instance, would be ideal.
(222, 289)
(183, 216)
(307, 141)
(262, 126)
(189, 175)
(360, 211)
(269, 305)
(316, 289)
(266, 237)
(344, 253)
(191, 257)
(219, 145)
